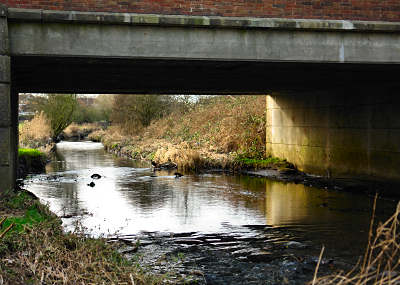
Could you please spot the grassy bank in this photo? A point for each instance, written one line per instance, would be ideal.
(30, 161)
(36, 251)
(219, 132)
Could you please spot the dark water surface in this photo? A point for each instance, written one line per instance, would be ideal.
(130, 199)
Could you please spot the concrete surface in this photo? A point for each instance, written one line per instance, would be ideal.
(345, 134)
(192, 43)
(8, 145)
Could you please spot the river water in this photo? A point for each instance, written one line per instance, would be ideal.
(131, 200)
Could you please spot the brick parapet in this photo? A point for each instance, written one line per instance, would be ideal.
(51, 16)
(362, 10)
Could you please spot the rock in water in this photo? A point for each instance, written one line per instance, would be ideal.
(91, 184)
(177, 174)
(95, 176)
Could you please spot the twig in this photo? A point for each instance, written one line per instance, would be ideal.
(370, 235)
(6, 230)
(316, 268)
(2, 221)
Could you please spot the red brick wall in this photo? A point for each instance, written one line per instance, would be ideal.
(369, 10)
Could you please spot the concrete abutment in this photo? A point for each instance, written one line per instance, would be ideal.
(340, 133)
(8, 112)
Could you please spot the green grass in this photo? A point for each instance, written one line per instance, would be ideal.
(16, 201)
(31, 161)
(23, 202)
(33, 215)
(29, 152)
(269, 162)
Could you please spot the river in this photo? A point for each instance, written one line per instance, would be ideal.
(259, 215)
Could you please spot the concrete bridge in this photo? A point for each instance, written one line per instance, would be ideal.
(331, 68)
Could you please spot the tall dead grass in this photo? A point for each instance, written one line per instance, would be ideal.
(222, 124)
(182, 155)
(211, 134)
(36, 132)
(381, 261)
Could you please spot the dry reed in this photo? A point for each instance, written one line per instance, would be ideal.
(36, 132)
(380, 264)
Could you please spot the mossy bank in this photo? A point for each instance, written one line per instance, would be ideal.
(30, 161)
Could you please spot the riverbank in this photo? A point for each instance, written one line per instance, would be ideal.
(35, 250)
(214, 132)
(30, 161)
(189, 157)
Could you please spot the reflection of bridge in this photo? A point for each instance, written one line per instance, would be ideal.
(332, 108)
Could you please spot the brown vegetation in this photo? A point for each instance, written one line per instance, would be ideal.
(80, 131)
(210, 133)
(35, 133)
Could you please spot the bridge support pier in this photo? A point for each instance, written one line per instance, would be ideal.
(341, 133)
(8, 112)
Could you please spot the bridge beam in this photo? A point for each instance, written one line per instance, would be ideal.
(8, 112)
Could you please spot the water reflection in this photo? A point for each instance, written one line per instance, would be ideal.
(130, 198)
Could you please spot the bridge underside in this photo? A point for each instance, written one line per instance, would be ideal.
(338, 120)
(163, 76)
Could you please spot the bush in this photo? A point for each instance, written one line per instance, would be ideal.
(58, 109)
(99, 111)
(135, 112)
